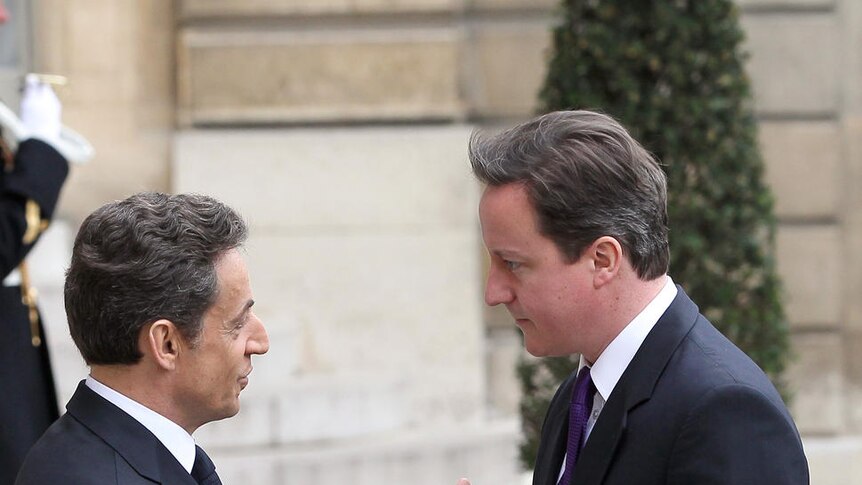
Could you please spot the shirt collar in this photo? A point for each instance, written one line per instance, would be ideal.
(609, 367)
(175, 438)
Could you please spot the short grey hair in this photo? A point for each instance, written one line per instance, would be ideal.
(151, 256)
(586, 177)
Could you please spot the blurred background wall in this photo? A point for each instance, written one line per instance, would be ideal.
(339, 129)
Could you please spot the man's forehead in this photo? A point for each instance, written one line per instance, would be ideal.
(507, 205)
(233, 285)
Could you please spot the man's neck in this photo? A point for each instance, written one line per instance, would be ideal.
(627, 301)
(137, 384)
(123, 379)
(174, 437)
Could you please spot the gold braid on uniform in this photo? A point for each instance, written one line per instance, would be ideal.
(35, 227)
(28, 297)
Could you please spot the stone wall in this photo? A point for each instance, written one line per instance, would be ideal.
(338, 127)
(119, 58)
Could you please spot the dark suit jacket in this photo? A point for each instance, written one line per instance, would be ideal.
(29, 404)
(690, 409)
(96, 442)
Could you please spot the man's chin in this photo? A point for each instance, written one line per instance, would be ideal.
(534, 346)
(231, 410)
(539, 349)
(535, 349)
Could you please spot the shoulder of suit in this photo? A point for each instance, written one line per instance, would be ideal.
(70, 454)
(707, 359)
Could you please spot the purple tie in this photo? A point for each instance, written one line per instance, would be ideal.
(203, 470)
(579, 413)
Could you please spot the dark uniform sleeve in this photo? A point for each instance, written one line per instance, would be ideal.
(37, 176)
(28, 196)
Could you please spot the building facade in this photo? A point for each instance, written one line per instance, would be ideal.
(339, 129)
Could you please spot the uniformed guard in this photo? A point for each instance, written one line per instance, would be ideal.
(30, 181)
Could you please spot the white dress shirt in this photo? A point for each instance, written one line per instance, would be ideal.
(609, 367)
(175, 438)
(13, 278)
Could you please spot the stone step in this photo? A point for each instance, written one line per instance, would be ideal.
(312, 409)
(485, 452)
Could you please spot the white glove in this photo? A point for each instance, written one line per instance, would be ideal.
(40, 111)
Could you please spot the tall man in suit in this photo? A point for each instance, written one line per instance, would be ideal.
(160, 307)
(574, 218)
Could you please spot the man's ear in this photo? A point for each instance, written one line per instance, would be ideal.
(607, 255)
(162, 340)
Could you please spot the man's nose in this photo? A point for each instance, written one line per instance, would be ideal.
(259, 341)
(497, 289)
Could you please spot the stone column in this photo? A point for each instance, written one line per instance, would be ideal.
(795, 59)
(119, 58)
(851, 123)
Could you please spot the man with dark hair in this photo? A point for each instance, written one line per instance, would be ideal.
(160, 307)
(575, 221)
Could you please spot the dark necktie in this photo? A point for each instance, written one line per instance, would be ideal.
(579, 413)
(203, 471)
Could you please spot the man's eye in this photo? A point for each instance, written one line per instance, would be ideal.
(512, 265)
(236, 328)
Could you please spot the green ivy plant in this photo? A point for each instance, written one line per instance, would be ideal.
(672, 71)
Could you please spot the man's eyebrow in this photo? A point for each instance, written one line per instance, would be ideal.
(507, 253)
(238, 318)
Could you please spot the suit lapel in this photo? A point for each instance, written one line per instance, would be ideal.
(552, 446)
(635, 386)
(129, 438)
